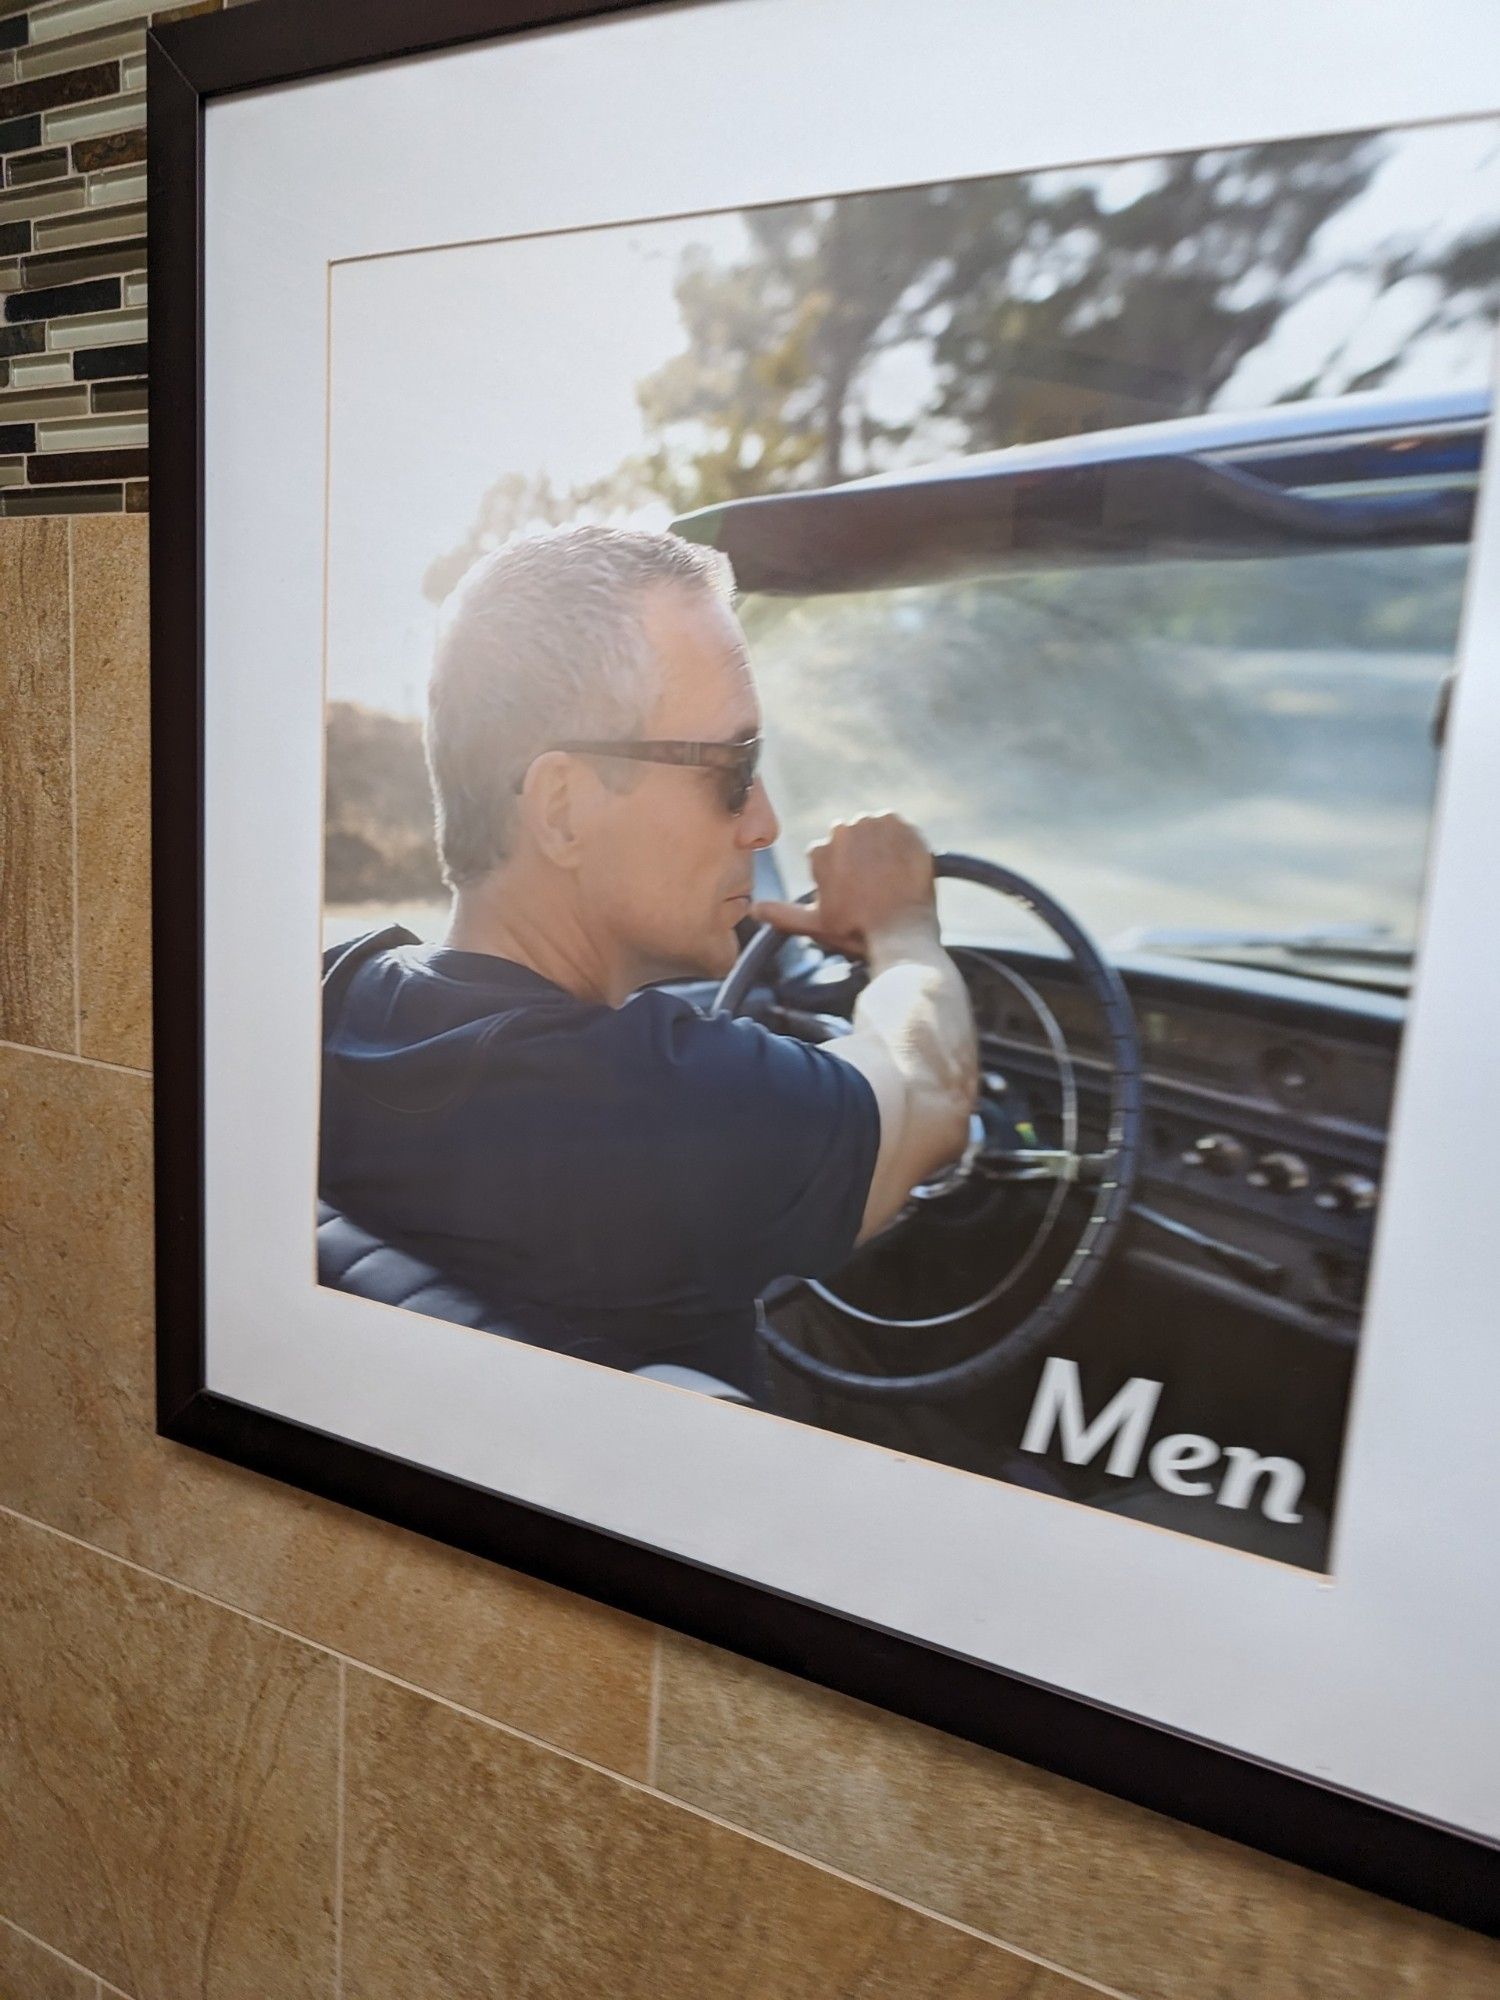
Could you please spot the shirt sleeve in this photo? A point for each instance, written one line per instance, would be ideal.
(765, 1145)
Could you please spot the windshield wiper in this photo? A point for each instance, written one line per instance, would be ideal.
(1369, 944)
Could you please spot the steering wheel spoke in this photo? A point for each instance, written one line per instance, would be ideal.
(1043, 1163)
(1030, 1163)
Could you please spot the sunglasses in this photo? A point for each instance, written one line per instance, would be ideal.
(733, 764)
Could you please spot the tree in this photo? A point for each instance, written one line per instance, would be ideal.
(378, 820)
(1462, 283)
(1040, 304)
(1021, 306)
(771, 391)
(1102, 315)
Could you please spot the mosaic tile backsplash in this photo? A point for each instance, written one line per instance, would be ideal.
(73, 253)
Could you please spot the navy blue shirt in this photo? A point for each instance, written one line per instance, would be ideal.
(622, 1183)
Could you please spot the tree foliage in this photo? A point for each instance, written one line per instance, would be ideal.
(1040, 305)
(1022, 306)
(1095, 317)
(378, 828)
(779, 345)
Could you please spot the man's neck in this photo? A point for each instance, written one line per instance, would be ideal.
(508, 918)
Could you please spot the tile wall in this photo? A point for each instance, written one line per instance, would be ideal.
(255, 1747)
(73, 254)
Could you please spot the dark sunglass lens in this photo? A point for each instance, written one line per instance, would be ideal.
(738, 779)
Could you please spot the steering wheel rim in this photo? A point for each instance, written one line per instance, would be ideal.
(1112, 1194)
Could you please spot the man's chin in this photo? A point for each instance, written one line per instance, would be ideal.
(719, 956)
(711, 957)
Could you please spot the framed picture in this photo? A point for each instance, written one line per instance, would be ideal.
(597, 452)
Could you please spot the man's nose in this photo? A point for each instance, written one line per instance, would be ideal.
(758, 825)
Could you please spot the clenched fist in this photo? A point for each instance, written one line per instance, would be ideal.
(874, 882)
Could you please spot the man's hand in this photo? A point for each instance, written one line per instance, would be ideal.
(874, 883)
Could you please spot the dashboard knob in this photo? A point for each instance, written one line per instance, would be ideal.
(1348, 1194)
(1219, 1153)
(1281, 1173)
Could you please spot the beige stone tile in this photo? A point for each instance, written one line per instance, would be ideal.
(1109, 1890)
(111, 678)
(78, 1450)
(36, 787)
(478, 1866)
(170, 1777)
(28, 1972)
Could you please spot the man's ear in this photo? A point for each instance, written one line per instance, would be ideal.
(553, 808)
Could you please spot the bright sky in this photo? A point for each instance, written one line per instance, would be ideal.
(454, 366)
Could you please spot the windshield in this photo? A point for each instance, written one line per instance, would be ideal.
(1229, 759)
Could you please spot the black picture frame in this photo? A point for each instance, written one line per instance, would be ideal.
(1355, 1840)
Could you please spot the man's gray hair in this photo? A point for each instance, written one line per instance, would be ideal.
(542, 641)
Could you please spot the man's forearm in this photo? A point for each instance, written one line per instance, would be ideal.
(917, 1004)
(913, 1033)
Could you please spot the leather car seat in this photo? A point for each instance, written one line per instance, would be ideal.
(351, 1259)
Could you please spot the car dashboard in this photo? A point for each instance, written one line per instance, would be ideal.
(1267, 1102)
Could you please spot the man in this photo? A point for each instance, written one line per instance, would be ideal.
(621, 1174)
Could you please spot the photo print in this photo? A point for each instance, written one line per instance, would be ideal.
(1110, 525)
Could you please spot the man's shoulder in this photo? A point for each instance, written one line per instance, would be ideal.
(353, 952)
(343, 962)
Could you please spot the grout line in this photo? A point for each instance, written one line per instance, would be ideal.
(524, 1735)
(680, 1804)
(63, 1055)
(653, 1712)
(53, 1952)
(174, 1583)
(73, 782)
(587, 1763)
(338, 1838)
(316, 1645)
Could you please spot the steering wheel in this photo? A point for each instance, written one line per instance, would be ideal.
(1111, 1173)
